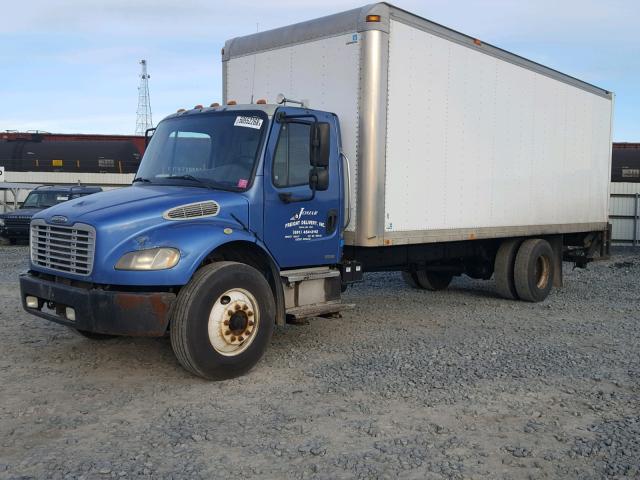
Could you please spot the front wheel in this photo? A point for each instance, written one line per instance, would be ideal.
(223, 320)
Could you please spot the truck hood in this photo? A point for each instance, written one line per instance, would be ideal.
(137, 206)
(131, 218)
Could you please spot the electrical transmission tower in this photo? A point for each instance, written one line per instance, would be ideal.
(143, 117)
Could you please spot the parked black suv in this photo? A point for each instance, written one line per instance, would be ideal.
(14, 226)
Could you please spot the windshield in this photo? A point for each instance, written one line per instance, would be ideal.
(44, 199)
(217, 150)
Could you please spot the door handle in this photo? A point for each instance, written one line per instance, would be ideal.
(332, 221)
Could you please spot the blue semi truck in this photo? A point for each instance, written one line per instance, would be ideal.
(251, 214)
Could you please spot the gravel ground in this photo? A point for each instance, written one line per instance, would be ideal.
(409, 384)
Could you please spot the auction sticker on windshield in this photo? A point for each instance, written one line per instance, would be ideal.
(250, 122)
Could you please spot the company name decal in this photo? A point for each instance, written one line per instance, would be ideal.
(304, 225)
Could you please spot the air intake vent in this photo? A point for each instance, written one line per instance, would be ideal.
(193, 210)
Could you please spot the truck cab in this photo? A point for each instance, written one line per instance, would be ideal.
(234, 221)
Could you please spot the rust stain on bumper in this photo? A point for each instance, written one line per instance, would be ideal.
(152, 309)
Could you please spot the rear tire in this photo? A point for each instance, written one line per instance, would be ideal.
(223, 320)
(534, 270)
(503, 269)
(433, 281)
(409, 279)
(426, 280)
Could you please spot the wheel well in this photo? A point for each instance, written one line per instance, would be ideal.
(252, 255)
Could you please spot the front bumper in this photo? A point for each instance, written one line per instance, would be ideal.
(98, 310)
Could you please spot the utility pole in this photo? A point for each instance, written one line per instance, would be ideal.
(143, 117)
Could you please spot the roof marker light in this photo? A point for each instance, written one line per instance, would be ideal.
(214, 105)
(373, 18)
(232, 102)
(180, 110)
(477, 42)
(262, 101)
(198, 107)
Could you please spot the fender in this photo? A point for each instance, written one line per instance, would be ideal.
(195, 240)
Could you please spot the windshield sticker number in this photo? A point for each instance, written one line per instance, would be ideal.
(248, 122)
(243, 182)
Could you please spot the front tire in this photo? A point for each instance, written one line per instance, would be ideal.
(223, 321)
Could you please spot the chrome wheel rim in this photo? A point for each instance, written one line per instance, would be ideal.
(233, 322)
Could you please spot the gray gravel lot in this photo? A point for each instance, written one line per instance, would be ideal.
(409, 384)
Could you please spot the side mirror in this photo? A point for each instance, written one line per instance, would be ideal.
(320, 144)
(319, 179)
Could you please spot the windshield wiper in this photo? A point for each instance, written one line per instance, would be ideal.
(140, 179)
(190, 178)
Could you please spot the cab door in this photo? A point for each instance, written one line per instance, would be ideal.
(301, 228)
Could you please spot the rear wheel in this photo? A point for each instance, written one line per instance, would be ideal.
(409, 279)
(503, 269)
(433, 280)
(223, 320)
(534, 270)
(427, 280)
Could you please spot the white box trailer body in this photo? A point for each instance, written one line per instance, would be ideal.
(449, 138)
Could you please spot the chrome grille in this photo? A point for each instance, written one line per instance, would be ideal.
(193, 210)
(67, 249)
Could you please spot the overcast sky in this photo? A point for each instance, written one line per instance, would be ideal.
(73, 66)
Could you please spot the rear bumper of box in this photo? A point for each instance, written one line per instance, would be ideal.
(99, 310)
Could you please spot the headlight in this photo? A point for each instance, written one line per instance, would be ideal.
(152, 259)
(1, 222)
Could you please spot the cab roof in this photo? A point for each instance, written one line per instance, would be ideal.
(269, 109)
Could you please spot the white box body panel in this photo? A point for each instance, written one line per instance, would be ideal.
(475, 142)
(449, 139)
(323, 72)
